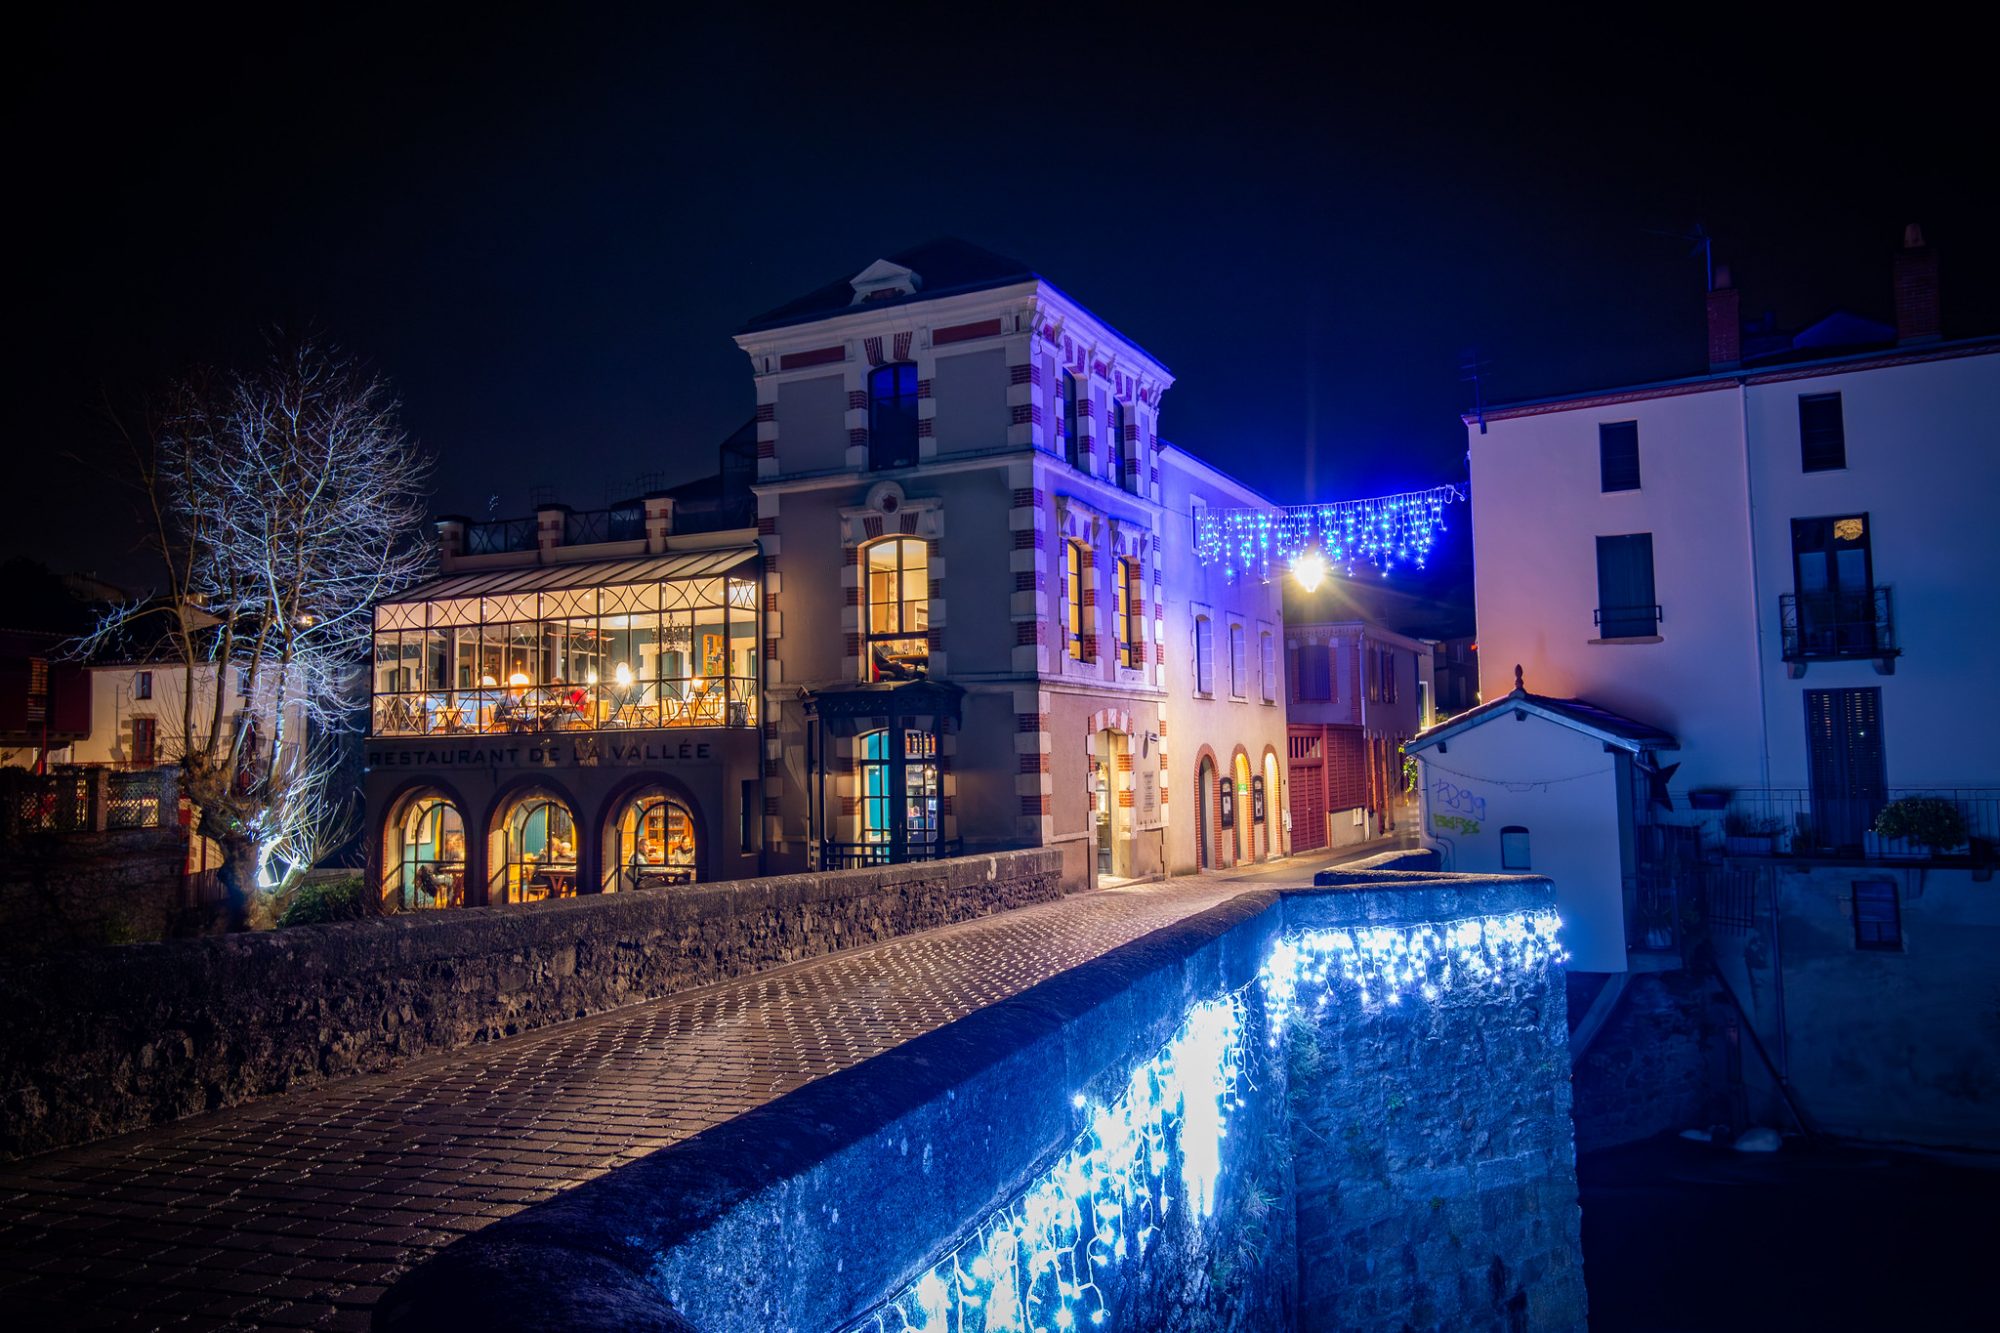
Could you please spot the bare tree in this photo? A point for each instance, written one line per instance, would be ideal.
(283, 503)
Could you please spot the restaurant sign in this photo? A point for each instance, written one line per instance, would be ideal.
(544, 752)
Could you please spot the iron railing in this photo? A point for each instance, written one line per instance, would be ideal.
(853, 855)
(1626, 622)
(1779, 822)
(1833, 626)
(500, 534)
(85, 800)
(619, 523)
(718, 701)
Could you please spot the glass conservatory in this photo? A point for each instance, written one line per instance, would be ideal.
(659, 641)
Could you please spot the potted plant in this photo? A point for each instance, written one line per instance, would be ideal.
(1916, 827)
(1709, 798)
(1750, 835)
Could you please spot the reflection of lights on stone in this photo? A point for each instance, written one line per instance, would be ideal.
(1034, 1266)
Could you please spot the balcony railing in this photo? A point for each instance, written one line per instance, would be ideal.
(1826, 627)
(1794, 823)
(853, 855)
(643, 705)
(500, 534)
(620, 523)
(1627, 622)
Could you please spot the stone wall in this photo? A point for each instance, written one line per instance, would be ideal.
(109, 1040)
(1434, 1163)
(1418, 1172)
(1660, 1065)
(82, 890)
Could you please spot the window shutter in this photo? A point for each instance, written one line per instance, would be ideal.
(1822, 433)
(1618, 455)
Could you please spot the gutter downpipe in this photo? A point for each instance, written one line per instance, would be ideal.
(1784, 1063)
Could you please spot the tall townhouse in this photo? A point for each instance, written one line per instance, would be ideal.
(986, 627)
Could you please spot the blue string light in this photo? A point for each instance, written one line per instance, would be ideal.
(1380, 531)
(1035, 1266)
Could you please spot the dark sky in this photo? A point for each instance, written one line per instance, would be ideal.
(544, 235)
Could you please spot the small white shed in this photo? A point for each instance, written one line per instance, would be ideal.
(1551, 786)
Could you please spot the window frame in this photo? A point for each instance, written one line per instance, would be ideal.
(1816, 433)
(1069, 387)
(1507, 848)
(1239, 661)
(1878, 934)
(1618, 435)
(1114, 428)
(1303, 676)
(1076, 559)
(903, 573)
(887, 416)
(1267, 663)
(1642, 618)
(1128, 612)
(142, 685)
(1204, 654)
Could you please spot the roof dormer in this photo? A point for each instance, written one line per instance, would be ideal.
(884, 281)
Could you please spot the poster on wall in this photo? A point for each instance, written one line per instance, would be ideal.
(1257, 799)
(1229, 803)
(1149, 797)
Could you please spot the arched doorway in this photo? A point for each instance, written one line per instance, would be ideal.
(650, 843)
(1274, 808)
(423, 853)
(1205, 850)
(534, 850)
(1246, 823)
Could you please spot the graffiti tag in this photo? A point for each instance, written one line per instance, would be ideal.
(1458, 799)
(1454, 824)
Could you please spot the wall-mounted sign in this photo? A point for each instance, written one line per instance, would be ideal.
(1257, 799)
(1229, 803)
(1149, 796)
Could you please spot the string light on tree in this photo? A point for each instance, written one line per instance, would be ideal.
(1381, 531)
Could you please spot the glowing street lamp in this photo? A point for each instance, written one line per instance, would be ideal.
(1309, 568)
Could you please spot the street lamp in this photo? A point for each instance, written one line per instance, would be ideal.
(1309, 568)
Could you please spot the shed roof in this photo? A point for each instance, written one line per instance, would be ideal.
(1614, 729)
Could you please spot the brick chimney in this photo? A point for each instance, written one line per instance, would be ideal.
(1725, 322)
(1917, 290)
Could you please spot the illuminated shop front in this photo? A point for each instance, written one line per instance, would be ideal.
(543, 730)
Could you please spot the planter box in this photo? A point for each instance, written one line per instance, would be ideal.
(1750, 844)
(1709, 798)
(1878, 848)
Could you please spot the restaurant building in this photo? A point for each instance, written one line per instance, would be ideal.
(959, 610)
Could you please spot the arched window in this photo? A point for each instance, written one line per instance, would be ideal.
(1204, 655)
(1514, 848)
(892, 416)
(655, 844)
(1128, 614)
(1075, 559)
(897, 571)
(538, 851)
(909, 816)
(426, 856)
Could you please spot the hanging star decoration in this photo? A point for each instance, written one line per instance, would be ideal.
(1657, 778)
(1380, 531)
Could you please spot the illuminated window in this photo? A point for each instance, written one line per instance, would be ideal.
(656, 845)
(897, 572)
(892, 416)
(1204, 655)
(538, 852)
(429, 865)
(1128, 613)
(1075, 559)
(917, 815)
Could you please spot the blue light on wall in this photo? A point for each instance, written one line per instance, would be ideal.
(1155, 1151)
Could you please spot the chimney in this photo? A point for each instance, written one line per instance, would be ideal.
(1917, 290)
(1725, 322)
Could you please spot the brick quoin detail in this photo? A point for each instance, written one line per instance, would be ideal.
(903, 346)
(926, 429)
(770, 649)
(767, 526)
(858, 438)
(856, 399)
(770, 601)
(854, 645)
(852, 596)
(767, 448)
(1026, 722)
(1034, 763)
(1026, 633)
(1026, 581)
(923, 388)
(1034, 805)
(767, 411)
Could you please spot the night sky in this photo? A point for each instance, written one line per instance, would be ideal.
(545, 236)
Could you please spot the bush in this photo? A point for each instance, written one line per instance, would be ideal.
(319, 901)
(1928, 821)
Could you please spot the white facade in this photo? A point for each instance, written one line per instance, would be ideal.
(1720, 483)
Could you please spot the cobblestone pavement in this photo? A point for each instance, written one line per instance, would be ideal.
(297, 1211)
